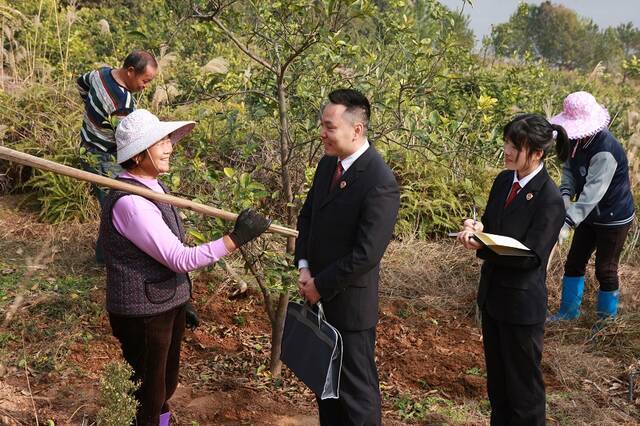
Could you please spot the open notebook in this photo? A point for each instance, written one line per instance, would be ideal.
(501, 245)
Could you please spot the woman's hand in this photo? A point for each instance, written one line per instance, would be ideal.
(249, 225)
(472, 225)
(465, 237)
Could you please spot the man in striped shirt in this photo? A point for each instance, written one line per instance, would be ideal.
(108, 97)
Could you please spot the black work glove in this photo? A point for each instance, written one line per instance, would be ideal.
(192, 320)
(249, 225)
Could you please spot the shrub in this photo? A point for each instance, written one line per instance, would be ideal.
(118, 406)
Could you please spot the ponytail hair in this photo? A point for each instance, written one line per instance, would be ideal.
(562, 142)
(534, 132)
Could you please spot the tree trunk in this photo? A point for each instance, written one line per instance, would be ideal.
(277, 329)
(285, 178)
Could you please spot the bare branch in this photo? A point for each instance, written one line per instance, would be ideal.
(224, 96)
(268, 304)
(212, 16)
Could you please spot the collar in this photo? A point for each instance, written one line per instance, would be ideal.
(586, 142)
(348, 161)
(525, 180)
(145, 181)
(592, 138)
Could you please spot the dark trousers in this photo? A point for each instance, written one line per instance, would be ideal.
(103, 164)
(151, 345)
(513, 354)
(359, 402)
(607, 242)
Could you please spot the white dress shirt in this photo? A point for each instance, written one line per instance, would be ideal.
(348, 161)
(525, 180)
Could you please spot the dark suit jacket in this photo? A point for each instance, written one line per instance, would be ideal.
(344, 233)
(513, 289)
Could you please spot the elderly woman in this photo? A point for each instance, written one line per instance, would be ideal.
(148, 287)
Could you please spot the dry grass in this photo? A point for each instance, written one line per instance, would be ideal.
(579, 408)
(587, 373)
(438, 274)
(72, 245)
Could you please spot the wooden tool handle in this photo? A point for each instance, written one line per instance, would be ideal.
(51, 166)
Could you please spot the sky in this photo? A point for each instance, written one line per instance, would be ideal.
(605, 13)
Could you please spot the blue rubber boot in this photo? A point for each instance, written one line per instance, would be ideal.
(572, 290)
(607, 304)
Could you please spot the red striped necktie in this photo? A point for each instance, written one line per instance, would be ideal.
(514, 191)
(337, 175)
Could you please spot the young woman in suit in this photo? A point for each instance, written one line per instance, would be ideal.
(525, 204)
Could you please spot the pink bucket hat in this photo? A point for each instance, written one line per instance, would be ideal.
(582, 116)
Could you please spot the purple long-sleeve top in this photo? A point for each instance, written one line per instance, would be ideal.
(140, 221)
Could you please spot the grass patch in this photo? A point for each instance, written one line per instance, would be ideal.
(476, 371)
(54, 314)
(69, 285)
(484, 406)
(67, 299)
(410, 409)
(9, 282)
(404, 314)
(239, 320)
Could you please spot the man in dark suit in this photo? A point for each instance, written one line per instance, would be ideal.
(344, 227)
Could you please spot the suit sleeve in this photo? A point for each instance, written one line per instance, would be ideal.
(375, 230)
(304, 223)
(540, 238)
(492, 195)
(484, 252)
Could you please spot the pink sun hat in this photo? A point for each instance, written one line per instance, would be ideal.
(582, 116)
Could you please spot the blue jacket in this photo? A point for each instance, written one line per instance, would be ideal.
(597, 175)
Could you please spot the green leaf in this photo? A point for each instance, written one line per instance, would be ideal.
(137, 34)
(197, 235)
(229, 172)
(244, 180)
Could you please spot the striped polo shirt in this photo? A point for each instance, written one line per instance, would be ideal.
(105, 101)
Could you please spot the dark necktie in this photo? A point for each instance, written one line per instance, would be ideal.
(514, 191)
(337, 175)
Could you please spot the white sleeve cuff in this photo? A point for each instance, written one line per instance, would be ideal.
(303, 263)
